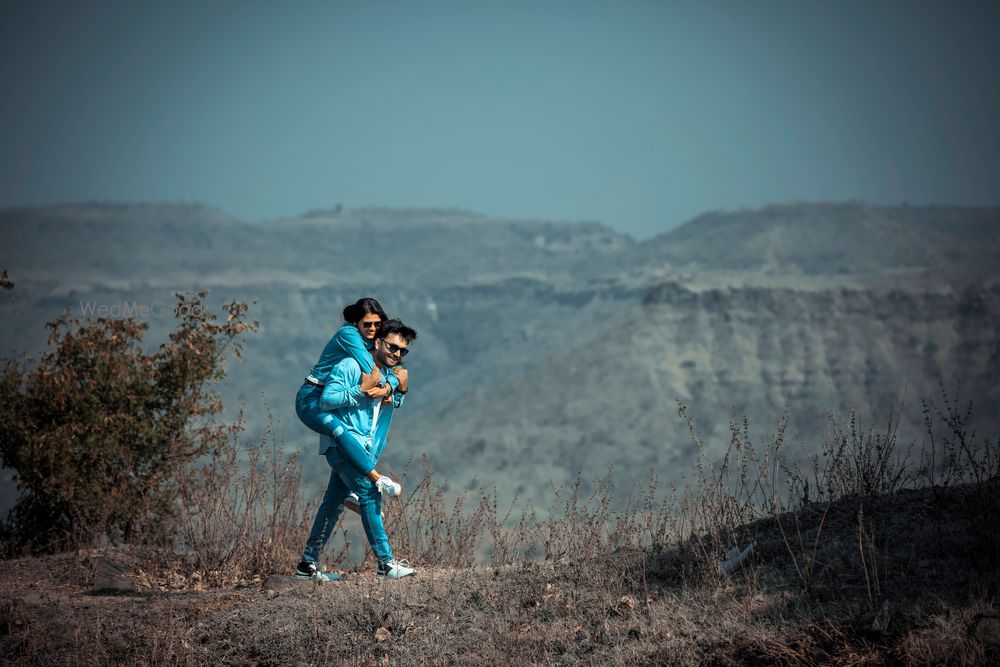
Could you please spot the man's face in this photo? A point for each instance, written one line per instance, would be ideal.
(389, 350)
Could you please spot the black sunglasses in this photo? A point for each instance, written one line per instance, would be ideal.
(393, 349)
(368, 325)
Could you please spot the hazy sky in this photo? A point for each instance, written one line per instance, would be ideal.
(636, 114)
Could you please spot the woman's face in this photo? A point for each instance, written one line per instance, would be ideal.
(368, 325)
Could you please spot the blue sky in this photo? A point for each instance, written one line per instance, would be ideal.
(639, 115)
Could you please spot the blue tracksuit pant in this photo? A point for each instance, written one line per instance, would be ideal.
(344, 479)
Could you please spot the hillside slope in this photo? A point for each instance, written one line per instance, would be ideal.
(928, 598)
(612, 399)
(561, 343)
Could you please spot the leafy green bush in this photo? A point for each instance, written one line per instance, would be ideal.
(97, 431)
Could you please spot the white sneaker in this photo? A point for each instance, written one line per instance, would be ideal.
(394, 569)
(351, 502)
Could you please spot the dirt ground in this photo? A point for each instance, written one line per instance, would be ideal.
(902, 581)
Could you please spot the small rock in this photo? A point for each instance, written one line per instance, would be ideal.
(111, 577)
(115, 584)
(278, 582)
(382, 634)
(271, 594)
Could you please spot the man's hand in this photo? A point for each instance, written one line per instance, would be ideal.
(403, 376)
(383, 392)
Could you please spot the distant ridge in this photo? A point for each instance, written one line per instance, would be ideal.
(828, 238)
(115, 243)
(388, 210)
(561, 342)
(113, 211)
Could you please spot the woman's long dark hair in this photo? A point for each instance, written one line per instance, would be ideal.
(366, 306)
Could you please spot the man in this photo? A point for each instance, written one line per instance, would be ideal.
(368, 419)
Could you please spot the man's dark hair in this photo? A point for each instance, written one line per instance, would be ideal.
(396, 326)
(366, 306)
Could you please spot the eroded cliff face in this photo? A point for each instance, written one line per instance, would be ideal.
(840, 349)
(730, 353)
(551, 348)
(789, 343)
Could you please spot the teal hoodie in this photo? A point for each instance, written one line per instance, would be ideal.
(343, 398)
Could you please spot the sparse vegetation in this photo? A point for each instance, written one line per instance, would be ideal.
(240, 515)
(176, 538)
(863, 555)
(100, 434)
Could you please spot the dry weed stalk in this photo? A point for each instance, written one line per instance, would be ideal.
(242, 512)
(869, 566)
(422, 527)
(514, 544)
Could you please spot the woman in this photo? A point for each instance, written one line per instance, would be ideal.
(355, 338)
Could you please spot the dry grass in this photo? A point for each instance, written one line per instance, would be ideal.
(241, 514)
(866, 553)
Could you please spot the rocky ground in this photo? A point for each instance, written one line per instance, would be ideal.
(906, 579)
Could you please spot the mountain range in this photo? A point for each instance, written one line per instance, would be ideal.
(552, 349)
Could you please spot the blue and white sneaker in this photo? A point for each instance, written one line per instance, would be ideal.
(394, 569)
(308, 570)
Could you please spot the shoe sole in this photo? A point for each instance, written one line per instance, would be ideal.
(307, 577)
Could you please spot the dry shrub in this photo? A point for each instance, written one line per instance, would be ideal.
(957, 456)
(947, 638)
(510, 542)
(577, 529)
(866, 461)
(719, 506)
(241, 512)
(422, 526)
(97, 430)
